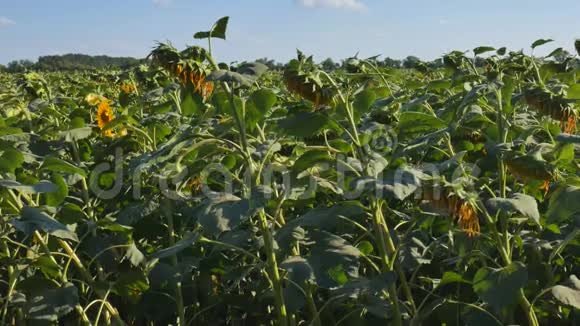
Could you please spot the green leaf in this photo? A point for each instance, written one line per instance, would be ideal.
(71, 213)
(310, 159)
(323, 218)
(252, 70)
(221, 102)
(304, 124)
(573, 92)
(10, 160)
(365, 247)
(555, 52)
(187, 241)
(500, 287)
(131, 284)
(299, 271)
(564, 203)
(482, 49)
(57, 165)
(162, 108)
(366, 288)
(452, 277)
(567, 296)
(413, 123)
(333, 259)
(568, 139)
(76, 134)
(399, 183)
(227, 76)
(56, 198)
(439, 84)
(518, 203)
(541, 42)
(48, 267)
(41, 187)
(224, 212)
(218, 30)
(258, 106)
(33, 219)
(52, 304)
(191, 104)
(363, 102)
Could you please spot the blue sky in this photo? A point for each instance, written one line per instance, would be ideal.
(275, 28)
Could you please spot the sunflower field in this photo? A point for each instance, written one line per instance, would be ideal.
(186, 191)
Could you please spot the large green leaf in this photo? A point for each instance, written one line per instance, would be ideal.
(452, 277)
(218, 30)
(310, 159)
(304, 124)
(323, 218)
(541, 42)
(258, 106)
(223, 213)
(10, 160)
(298, 272)
(482, 49)
(333, 260)
(227, 76)
(413, 123)
(363, 102)
(76, 134)
(399, 183)
(33, 219)
(131, 284)
(500, 287)
(187, 241)
(57, 165)
(191, 104)
(50, 305)
(57, 197)
(564, 203)
(518, 203)
(41, 187)
(567, 296)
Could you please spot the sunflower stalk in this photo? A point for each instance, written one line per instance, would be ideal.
(504, 246)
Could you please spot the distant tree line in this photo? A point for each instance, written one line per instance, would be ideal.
(409, 62)
(70, 62)
(88, 62)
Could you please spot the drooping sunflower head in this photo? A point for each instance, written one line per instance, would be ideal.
(569, 125)
(196, 185)
(207, 89)
(467, 218)
(104, 114)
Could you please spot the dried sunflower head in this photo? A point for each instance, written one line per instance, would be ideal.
(467, 218)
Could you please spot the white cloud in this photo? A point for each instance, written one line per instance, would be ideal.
(6, 22)
(162, 3)
(337, 4)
